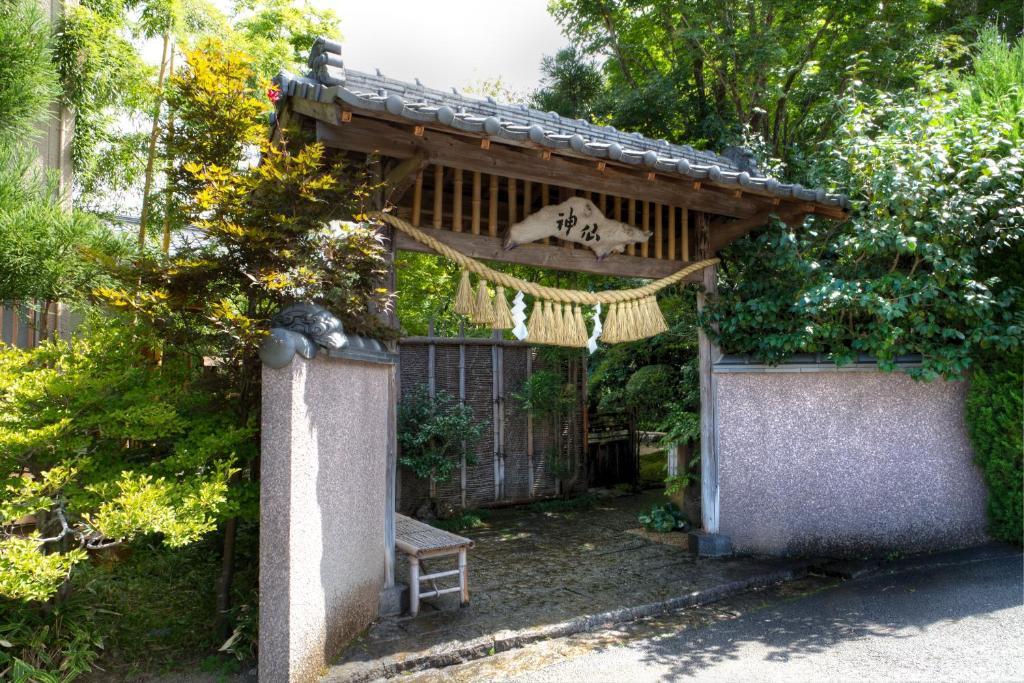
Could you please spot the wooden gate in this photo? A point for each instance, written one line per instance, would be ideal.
(513, 463)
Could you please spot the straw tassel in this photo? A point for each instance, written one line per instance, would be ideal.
(563, 338)
(630, 321)
(658, 324)
(551, 323)
(610, 331)
(580, 331)
(483, 313)
(502, 313)
(537, 331)
(464, 296)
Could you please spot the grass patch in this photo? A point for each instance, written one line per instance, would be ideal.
(160, 605)
(468, 519)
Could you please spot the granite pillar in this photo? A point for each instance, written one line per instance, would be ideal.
(323, 508)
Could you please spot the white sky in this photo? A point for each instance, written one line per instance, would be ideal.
(448, 42)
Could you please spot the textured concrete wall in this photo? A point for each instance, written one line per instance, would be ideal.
(845, 463)
(322, 510)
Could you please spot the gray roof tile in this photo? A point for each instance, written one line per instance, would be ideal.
(330, 81)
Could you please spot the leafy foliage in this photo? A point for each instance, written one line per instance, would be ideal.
(995, 413)
(680, 426)
(672, 356)
(570, 84)
(545, 394)
(104, 447)
(279, 33)
(102, 77)
(663, 519)
(936, 187)
(704, 72)
(27, 79)
(435, 433)
(48, 251)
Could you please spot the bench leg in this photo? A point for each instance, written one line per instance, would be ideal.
(414, 586)
(463, 576)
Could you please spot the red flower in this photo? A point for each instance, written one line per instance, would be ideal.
(273, 94)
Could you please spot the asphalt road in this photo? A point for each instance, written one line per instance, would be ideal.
(962, 622)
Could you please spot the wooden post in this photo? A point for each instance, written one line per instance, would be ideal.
(631, 220)
(545, 200)
(463, 576)
(527, 198)
(438, 194)
(492, 207)
(511, 202)
(495, 418)
(645, 247)
(671, 233)
(417, 199)
(462, 401)
(477, 192)
(414, 585)
(684, 217)
(457, 201)
(529, 428)
(431, 383)
(658, 251)
(707, 355)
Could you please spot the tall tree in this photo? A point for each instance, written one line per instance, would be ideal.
(718, 73)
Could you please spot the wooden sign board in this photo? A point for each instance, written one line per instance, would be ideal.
(576, 220)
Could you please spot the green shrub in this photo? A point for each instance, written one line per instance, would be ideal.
(434, 432)
(995, 413)
(650, 390)
(467, 519)
(663, 518)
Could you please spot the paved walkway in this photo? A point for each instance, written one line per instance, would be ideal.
(532, 570)
(960, 622)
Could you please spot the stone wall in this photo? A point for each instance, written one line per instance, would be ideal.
(844, 463)
(322, 510)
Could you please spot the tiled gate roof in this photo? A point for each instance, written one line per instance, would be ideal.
(329, 81)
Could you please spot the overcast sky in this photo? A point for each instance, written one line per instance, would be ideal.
(448, 42)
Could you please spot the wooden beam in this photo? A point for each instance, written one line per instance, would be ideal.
(404, 169)
(718, 200)
(548, 256)
(369, 135)
(724, 233)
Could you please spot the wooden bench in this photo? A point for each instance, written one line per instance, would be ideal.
(420, 541)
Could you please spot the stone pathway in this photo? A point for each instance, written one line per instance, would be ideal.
(532, 570)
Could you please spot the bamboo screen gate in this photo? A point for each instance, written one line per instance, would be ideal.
(512, 465)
